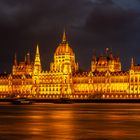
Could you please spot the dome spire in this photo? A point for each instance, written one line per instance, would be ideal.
(64, 39)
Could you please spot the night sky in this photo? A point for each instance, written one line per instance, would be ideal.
(90, 25)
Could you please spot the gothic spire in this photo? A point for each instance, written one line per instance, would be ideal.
(94, 56)
(15, 59)
(37, 56)
(132, 62)
(37, 64)
(28, 58)
(111, 54)
(25, 59)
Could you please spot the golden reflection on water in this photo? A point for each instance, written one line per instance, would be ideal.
(57, 123)
(62, 124)
(71, 122)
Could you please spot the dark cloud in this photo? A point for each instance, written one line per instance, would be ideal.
(90, 24)
(113, 26)
(24, 23)
(107, 18)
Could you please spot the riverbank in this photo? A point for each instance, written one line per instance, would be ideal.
(80, 100)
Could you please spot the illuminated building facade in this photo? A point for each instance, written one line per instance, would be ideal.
(64, 79)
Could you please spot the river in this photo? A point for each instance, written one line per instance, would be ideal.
(44, 121)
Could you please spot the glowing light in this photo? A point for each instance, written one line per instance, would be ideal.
(105, 79)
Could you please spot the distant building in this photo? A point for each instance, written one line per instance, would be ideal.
(105, 79)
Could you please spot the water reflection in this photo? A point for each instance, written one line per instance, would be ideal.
(74, 121)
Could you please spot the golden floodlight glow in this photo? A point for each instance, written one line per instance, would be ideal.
(64, 79)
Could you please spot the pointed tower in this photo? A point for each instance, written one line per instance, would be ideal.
(93, 62)
(15, 59)
(15, 65)
(28, 59)
(132, 62)
(37, 63)
(111, 54)
(94, 56)
(25, 60)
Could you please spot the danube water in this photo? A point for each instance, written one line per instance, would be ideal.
(43, 121)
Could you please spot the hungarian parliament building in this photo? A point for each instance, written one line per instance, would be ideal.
(105, 79)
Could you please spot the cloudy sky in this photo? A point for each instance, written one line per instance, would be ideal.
(90, 25)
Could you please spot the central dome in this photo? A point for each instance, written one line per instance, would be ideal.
(64, 47)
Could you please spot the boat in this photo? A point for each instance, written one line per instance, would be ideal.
(63, 101)
(22, 101)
